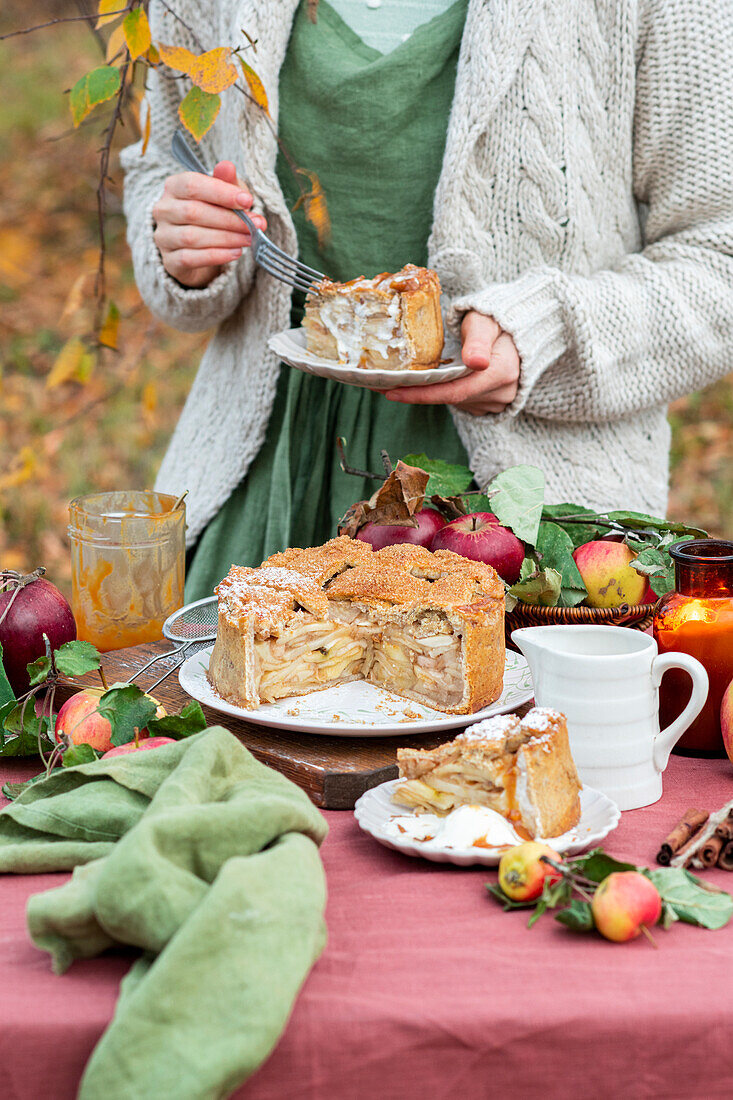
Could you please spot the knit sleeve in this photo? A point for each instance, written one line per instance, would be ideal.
(660, 324)
(189, 309)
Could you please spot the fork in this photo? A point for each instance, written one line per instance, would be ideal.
(271, 258)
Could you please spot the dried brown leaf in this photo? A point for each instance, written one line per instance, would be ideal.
(395, 501)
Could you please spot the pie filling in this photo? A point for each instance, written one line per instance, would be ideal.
(459, 784)
(311, 654)
(365, 331)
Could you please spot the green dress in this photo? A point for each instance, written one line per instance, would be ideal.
(373, 128)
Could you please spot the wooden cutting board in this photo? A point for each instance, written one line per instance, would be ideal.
(333, 771)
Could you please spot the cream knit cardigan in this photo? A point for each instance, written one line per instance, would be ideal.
(585, 202)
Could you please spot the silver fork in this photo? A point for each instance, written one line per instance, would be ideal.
(271, 258)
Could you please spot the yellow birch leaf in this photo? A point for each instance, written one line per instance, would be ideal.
(79, 100)
(137, 32)
(68, 362)
(115, 44)
(146, 128)
(17, 251)
(149, 398)
(108, 11)
(22, 469)
(176, 57)
(256, 87)
(316, 210)
(110, 329)
(197, 111)
(153, 55)
(212, 71)
(102, 84)
(77, 298)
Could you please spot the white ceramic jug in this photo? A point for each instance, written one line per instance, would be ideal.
(605, 679)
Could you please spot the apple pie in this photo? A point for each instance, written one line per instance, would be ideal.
(522, 769)
(427, 626)
(390, 322)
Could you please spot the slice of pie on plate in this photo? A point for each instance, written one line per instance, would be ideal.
(390, 322)
(426, 626)
(523, 769)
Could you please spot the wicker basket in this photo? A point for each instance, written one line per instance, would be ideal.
(636, 616)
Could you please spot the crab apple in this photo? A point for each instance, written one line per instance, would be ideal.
(726, 719)
(608, 574)
(522, 873)
(148, 743)
(625, 902)
(80, 720)
(380, 535)
(480, 537)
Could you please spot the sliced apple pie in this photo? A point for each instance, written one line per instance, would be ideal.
(426, 626)
(522, 769)
(390, 322)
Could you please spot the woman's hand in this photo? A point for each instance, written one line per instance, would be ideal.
(195, 229)
(490, 353)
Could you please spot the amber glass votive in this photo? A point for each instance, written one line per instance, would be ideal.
(697, 618)
(128, 559)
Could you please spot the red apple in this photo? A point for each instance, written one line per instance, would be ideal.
(625, 902)
(148, 743)
(481, 537)
(82, 724)
(380, 535)
(726, 719)
(28, 610)
(608, 574)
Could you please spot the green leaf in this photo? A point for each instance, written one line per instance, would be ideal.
(508, 903)
(446, 478)
(690, 899)
(13, 790)
(127, 708)
(77, 658)
(79, 100)
(641, 521)
(541, 587)
(79, 754)
(22, 728)
(102, 84)
(555, 548)
(197, 111)
(578, 916)
(516, 497)
(597, 865)
(578, 533)
(7, 695)
(553, 894)
(191, 720)
(38, 671)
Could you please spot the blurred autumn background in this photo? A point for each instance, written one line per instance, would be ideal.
(106, 425)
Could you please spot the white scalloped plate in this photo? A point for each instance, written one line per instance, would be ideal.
(356, 709)
(290, 347)
(598, 817)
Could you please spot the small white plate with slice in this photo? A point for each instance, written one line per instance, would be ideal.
(356, 709)
(290, 346)
(379, 816)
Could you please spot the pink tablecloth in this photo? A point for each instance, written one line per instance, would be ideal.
(428, 991)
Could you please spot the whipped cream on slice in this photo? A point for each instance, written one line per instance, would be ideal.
(464, 827)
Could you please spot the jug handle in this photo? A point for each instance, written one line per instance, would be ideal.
(667, 738)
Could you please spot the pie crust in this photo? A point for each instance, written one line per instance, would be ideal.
(523, 769)
(390, 322)
(426, 626)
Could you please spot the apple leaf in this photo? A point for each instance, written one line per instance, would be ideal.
(38, 671)
(553, 894)
(555, 550)
(578, 532)
(127, 708)
(197, 111)
(14, 790)
(517, 496)
(506, 902)
(7, 695)
(77, 658)
(690, 899)
(542, 587)
(578, 916)
(597, 865)
(446, 478)
(395, 501)
(79, 754)
(191, 720)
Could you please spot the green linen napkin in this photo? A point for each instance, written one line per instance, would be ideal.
(208, 861)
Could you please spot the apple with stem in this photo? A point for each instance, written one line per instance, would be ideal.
(480, 537)
(522, 872)
(625, 904)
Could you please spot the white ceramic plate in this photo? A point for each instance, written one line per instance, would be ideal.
(356, 709)
(598, 816)
(290, 347)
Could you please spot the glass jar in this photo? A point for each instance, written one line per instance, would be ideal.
(128, 560)
(697, 618)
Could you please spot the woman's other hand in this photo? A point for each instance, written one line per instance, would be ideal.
(195, 229)
(494, 360)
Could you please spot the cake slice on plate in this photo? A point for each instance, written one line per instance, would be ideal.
(523, 769)
(390, 322)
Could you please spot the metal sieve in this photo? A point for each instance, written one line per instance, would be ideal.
(193, 627)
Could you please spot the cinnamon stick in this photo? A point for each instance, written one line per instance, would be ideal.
(707, 854)
(685, 829)
(688, 855)
(725, 859)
